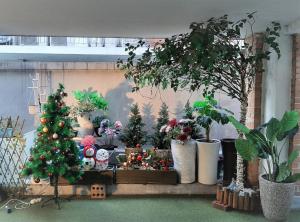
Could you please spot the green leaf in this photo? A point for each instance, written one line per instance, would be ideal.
(246, 149)
(239, 127)
(293, 178)
(292, 157)
(283, 173)
(288, 122)
(273, 128)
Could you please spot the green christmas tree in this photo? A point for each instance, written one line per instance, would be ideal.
(189, 114)
(133, 133)
(159, 139)
(54, 153)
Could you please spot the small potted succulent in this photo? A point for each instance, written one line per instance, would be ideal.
(277, 183)
(208, 149)
(183, 148)
(87, 101)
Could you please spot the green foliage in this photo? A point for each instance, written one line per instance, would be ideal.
(213, 54)
(189, 114)
(133, 133)
(262, 142)
(54, 152)
(159, 139)
(209, 112)
(89, 101)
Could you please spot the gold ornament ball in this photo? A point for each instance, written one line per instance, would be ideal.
(43, 120)
(45, 130)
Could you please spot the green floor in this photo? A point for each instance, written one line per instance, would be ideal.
(133, 210)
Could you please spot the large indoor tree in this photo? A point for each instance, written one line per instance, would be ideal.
(218, 55)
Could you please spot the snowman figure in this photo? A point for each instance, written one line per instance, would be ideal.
(88, 163)
(89, 151)
(102, 156)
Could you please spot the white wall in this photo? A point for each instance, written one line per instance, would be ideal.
(277, 84)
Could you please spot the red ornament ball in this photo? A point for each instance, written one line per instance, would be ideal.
(139, 158)
(42, 157)
(43, 120)
(61, 124)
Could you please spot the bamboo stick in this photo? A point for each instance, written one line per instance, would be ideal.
(225, 201)
(230, 199)
(247, 202)
(235, 200)
(241, 203)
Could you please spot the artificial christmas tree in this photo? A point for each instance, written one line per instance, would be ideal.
(159, 139)
(133, 134)
(54, 154)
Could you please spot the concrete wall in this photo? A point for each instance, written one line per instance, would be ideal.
(117, 90)
(105, 78)
(277, 84)
(15, 96)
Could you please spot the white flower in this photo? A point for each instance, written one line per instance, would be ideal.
(184, 121)
(168, 129)
(163, 129)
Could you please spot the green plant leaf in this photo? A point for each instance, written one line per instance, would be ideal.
(288, 123)
(283, 173)
(292, 157)
(292, 178)
(246, 149)
(273, 128)
(239, 127)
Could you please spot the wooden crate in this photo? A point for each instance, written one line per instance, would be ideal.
(146, 177)
(91, 177)
(227, 200)
(98, 191)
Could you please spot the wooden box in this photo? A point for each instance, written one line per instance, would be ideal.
(91, 177)
(146, 177)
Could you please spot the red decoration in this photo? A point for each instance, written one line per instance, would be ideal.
(139, 158)
(42, 157)
(54, 149)
(50, 174)
(61, 124)
(43, 120)
(138, 146)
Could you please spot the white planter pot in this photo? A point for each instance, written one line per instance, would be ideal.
(184, 158)
(276, 199)
(86, 126)
(208, 155)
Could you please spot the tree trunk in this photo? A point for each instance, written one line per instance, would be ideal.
(240, 162)
(56, 189)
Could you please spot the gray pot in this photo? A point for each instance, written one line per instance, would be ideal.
(276, 199)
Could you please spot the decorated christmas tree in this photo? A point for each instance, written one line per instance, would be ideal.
(133, 134)
(159, 139)
(54, 153)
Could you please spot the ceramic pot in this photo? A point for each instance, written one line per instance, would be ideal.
(208, 155)
(86, 126)
(184, 158)
(229, 159)
(276, 198)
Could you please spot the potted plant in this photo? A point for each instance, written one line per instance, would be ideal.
(208, 149)
(133, 135)
(183, 148)
(277, 183)
(87, 102)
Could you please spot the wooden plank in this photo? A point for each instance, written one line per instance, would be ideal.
(91, 177)
(146, 177)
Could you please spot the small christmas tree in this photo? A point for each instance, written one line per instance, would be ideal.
(133, 133)
(159, 139)
(189, 114)
(54, 153)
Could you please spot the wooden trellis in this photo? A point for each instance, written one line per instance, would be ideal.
(12, 155)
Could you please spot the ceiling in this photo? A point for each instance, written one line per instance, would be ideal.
(131, 18)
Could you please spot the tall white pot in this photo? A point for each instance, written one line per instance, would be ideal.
(85, 126)
(184, 158)
(208, 155)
